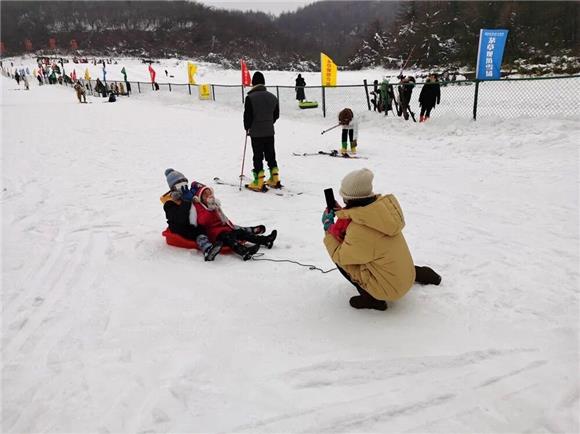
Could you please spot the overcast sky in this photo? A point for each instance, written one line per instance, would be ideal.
(267, 6)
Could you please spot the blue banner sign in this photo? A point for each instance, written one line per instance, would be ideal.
(490, 53)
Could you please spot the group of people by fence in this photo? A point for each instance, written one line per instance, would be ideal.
(386, 99)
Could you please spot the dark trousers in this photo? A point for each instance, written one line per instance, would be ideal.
(237, 235)
(350, 134)
(360, 290)
(423, 275)
(426, 110)
(263, 148)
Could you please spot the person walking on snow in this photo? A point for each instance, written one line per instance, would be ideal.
(349, 130)
(181, 215)
(367, 244)
(429, 96)
(261, 110)
(221, 230)
(81, 93)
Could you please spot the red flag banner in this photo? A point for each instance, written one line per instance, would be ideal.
(246, 81)
(73, 44)
(152, 73)
(73, 76)
(28, 45)
(52, 43)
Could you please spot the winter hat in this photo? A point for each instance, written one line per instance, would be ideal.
(258, 78)
(173, 177)
(357, 185)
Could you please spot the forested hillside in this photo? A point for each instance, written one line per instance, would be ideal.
(354, 34)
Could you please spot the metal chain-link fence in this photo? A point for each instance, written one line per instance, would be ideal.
(505, 98)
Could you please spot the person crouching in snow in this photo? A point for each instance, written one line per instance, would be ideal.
(181, 215)
(368, 246)
(349, 130)
(220, 229)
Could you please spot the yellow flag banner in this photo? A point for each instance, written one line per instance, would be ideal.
(87, 75)
(204, 91)
(191, 71)
(327, 70)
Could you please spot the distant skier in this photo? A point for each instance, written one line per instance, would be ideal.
(349, 130)
(300, 83)
(429, 96)
(261, 111)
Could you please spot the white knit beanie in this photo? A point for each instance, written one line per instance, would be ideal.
(358, 184)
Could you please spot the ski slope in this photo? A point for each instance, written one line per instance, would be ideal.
(106, 329)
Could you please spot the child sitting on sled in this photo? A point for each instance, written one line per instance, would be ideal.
(177, 204)
(221, 230)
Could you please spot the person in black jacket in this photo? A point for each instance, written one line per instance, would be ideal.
(300, 83)
(181, 219)
(261, 110)
(429, 96)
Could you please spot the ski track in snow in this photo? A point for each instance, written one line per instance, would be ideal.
(106, 329)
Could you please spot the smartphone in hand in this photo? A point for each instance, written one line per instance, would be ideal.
(330, 201)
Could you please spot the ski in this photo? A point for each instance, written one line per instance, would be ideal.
(333, 153)
(277, 192)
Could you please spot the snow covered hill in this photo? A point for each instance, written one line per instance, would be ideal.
(105, 328)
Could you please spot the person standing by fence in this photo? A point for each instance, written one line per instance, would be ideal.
(429, 96)
(300, 83)
(261, 110)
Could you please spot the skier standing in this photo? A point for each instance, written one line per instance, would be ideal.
(349, 130)
(261, 110)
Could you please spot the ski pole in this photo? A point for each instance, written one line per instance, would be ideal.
(243, 161)
(331, 128)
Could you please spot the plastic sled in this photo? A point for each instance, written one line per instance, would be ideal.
(178, 241)
(308, 104)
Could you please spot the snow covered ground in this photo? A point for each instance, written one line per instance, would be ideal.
(107, 329)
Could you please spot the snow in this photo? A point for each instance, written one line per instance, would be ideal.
(107, 329)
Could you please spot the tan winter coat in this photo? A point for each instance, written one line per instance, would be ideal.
(374, 252)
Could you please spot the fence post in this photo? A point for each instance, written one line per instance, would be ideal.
(323, 102)
(242, 94)
(277, 93)
(169, 86)
(139, 87)
(213, 92)
(475, 99)
(367, 92)
(189, 87)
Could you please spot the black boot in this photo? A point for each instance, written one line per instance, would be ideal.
(268, 240)
(245, 252)
(426, 276)
(364, 302)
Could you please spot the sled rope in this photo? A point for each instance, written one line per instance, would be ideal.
(257, 257)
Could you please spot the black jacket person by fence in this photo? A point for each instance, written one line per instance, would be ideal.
(429, 96)
(261, 110)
